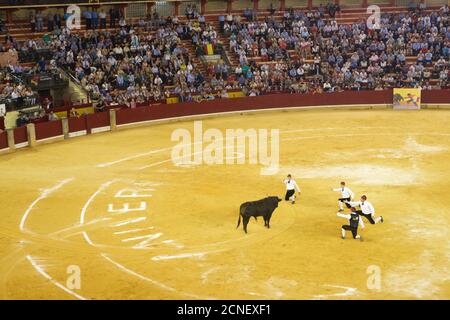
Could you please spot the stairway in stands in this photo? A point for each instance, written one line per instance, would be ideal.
(197, 63)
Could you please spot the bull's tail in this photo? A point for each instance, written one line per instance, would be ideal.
(239, 221)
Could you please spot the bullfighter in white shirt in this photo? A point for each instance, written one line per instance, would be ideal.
(346, 195)
(366, 210)
(291, 186)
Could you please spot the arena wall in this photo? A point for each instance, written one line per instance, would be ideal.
(97, 122)
(3, 140)
(117, 118)
(250, 103)
(20, 137)
(49, 129)
(436, 96)
(77, 127)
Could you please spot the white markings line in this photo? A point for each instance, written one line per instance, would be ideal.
(56, 283)
(179, 256)
(154, 282)
(91, 198)
(44, 194)
(123, 223)
(363, 134)
(133, 230)
(173, 243)
(82, 219)
(349, 291)
(259, 295)
(154, 164)
(144, 154)
(87, 204)
(147, 184)
(188, 156)
(330, 128)
(145, 243)
(126, 222)
(139, 155)
(148, 237)
(76, 226)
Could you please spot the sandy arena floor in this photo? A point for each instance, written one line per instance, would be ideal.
(60, 208)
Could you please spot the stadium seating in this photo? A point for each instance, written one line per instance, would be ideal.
(268, 74)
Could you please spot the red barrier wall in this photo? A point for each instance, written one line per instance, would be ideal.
(161, 111)
(97, 120)
(249, 103)
(3, 140)
(436, 96)
(20, 135)
(77, 124)
(48, 129)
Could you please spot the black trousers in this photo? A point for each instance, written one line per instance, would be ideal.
(352, 229)
(345, 199)
(289, 194)
(367, 216)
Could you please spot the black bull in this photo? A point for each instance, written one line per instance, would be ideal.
(263, 207)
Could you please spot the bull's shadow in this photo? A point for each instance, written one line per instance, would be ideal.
(264, 207)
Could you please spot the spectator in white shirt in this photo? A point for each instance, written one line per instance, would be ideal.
(366, 210)
(52, 116)
(102, 16)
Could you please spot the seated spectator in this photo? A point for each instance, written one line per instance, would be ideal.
(52, 116)
(47, 105)
(74, 113)
(304, 52)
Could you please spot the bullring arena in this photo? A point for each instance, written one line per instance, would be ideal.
(61, 207)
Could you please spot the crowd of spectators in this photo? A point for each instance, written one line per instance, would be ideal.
(55, 20)
(138, 62)
(303, 51)
(310, 51)
(13, 91)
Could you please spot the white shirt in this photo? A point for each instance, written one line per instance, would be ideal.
(291, 184)
(345, 192)
(366, 207)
